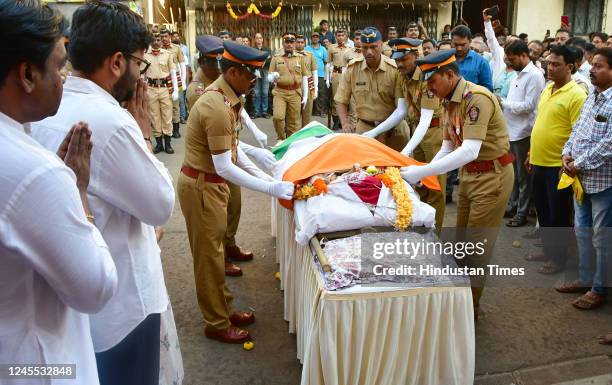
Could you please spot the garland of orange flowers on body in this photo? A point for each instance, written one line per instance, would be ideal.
(403, 205)
(252, 9)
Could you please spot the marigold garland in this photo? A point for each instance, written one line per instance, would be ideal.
(403, 210)
(253, 9)
(384, 178)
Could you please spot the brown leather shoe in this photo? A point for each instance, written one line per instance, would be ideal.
(242, 318)
(231, 335)
(235, 254)
(232, 270)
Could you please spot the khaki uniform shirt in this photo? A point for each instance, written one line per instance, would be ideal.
(196, 88)
(474, 113)
(350, 55)
(212, 126)
(291, 70)
(335, 55)
(177, 54)
(161, 64)
(418, 97)
(375, 91)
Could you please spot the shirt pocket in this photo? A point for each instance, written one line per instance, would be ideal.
(164, 67)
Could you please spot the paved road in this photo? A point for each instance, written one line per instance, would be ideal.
(520, 328)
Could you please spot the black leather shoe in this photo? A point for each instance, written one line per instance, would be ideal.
(167, 145)
(159, 145)
(175, 130)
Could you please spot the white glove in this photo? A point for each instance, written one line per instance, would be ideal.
(281, 190)
(174, 86)
(245, 163)
(273, 77)
(411, 174)
(316, 88)
(393, 120)
(265, 158)
(419, 132)
(467, 152)
(259, 135)
(257, 74)
(304, 91)
(228, 170)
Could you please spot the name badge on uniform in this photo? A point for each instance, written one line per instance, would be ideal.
(474, 113)
(360, 83)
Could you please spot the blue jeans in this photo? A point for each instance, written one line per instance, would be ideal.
(594, 234)
(183, 105)
(261, 93)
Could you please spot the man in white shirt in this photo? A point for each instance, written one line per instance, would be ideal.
(520, 112)
(582, 74)
(55, 265)
(130, 190)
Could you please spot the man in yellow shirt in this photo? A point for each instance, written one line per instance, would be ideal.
(559, 108)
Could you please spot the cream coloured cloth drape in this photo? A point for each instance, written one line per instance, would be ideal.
(364, 336)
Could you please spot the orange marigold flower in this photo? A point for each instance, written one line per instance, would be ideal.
(321, 186)
(387, 181)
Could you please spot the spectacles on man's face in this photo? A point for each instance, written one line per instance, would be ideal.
(143, 64)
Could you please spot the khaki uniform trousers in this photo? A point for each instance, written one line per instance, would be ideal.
(307, 111)
(335, 83)
(480, 212)
(160, 106)
(397, 138)
(425, 152)
(286, 105)
(233, 214)
(176, 111)
(204, 206)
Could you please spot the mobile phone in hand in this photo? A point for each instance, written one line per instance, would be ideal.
(565, 20)
(493, 12)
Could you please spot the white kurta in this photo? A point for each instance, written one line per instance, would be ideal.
(55, 265)
(130, 192)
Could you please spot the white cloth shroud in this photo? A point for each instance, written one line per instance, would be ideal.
(341, 209)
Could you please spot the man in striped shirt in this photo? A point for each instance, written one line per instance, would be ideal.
(588, 156)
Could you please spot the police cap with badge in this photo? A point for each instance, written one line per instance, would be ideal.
(403, 46)
(210, 47)
(249, 57)
(435, 61)
(370, 35)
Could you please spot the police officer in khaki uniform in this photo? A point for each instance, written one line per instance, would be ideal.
(313, 86)
(476, 140)
(348, 56)
(422, 110)
(376, 84)
(289, 74)
(212, 156)
(209, 69)
(160, 99)
(211, 51)
(181, 69)
(336, 58)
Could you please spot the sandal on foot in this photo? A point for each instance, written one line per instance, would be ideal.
(550, 268)
(517, 221)
(589, 301)
(573, 287)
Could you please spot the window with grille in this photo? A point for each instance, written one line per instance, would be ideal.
(585, 15)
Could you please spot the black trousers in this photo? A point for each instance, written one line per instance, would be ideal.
(135, 360)
(554, 208)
